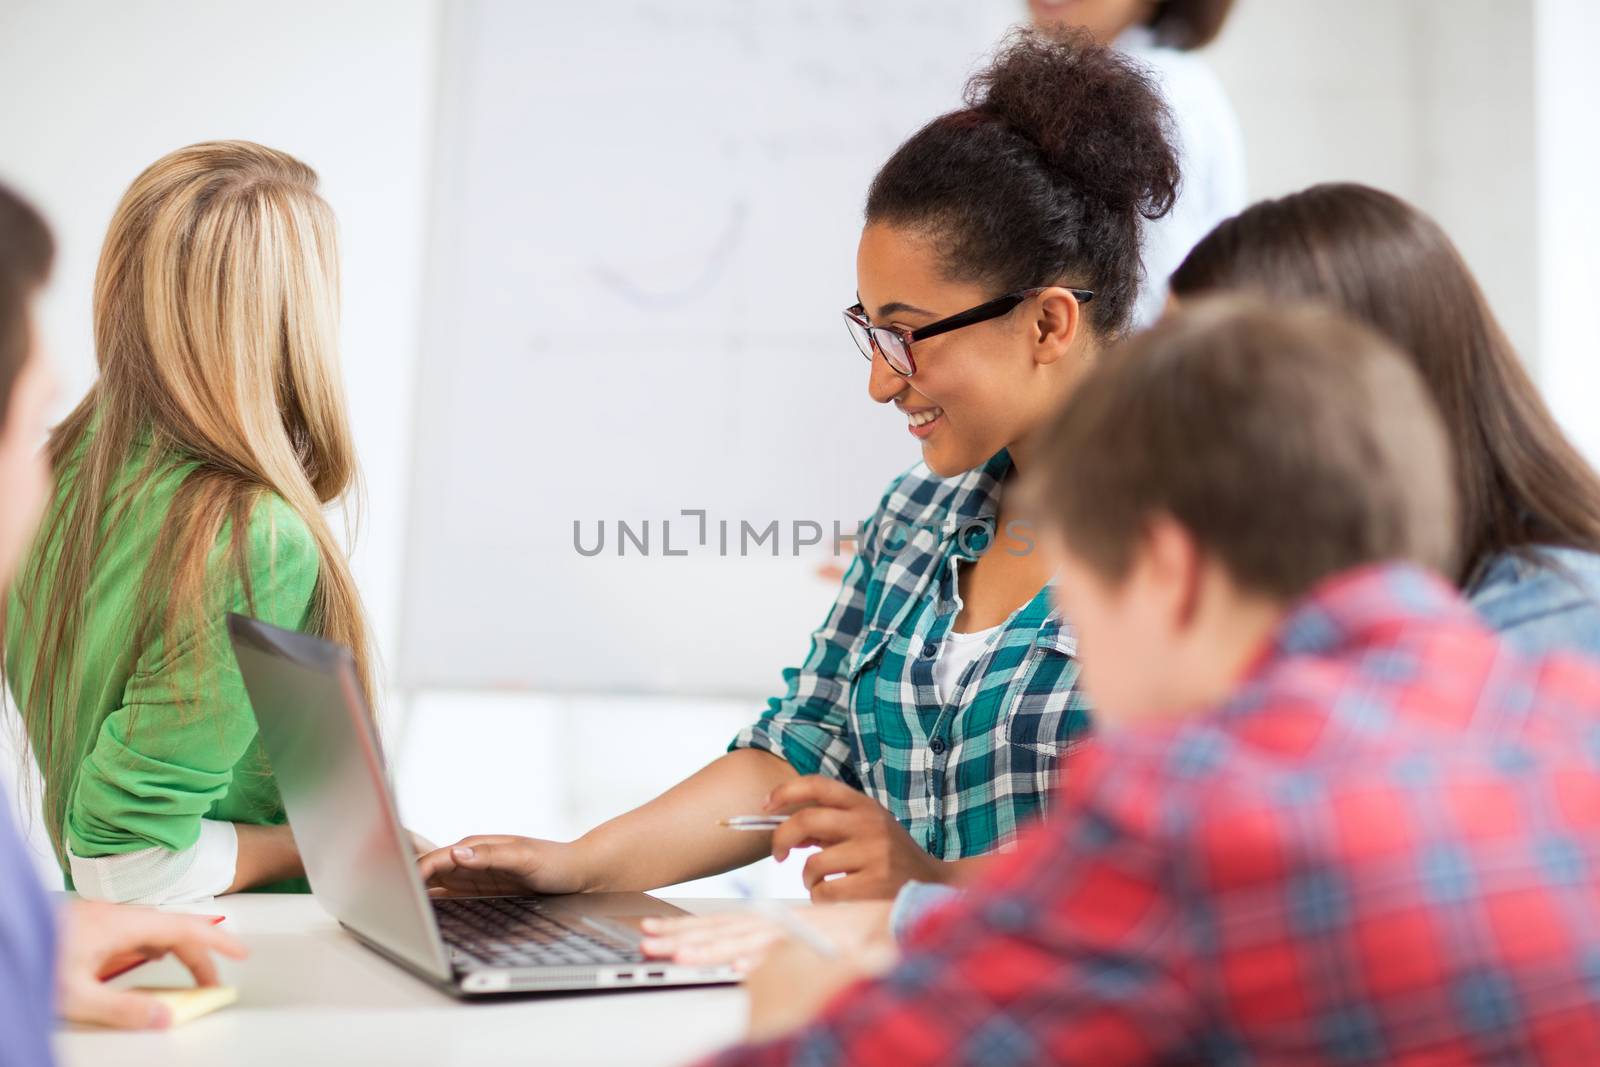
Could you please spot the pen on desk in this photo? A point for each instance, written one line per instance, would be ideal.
(755, 823)
(785, 917)
(802, 931)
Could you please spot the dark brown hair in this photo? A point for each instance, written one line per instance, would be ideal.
(1045, 177)
(1519, 480)
(26, 252)
(1189, 24)
(1291, 443)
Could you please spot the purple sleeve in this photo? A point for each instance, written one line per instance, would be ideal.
(27, 957)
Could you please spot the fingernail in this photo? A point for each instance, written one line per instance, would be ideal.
(462, 853)
(160, 1016)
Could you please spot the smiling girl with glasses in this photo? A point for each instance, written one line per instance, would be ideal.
(927, 720)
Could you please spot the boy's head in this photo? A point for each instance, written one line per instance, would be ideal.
(26, 251)
(1217, 468)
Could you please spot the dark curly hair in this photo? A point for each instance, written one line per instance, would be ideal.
(1045, 177)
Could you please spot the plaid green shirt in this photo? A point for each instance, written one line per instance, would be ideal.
(963, 774)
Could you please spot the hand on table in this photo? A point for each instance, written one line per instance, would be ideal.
(500, 865)
(92, 934)
(741, 938)
(860, 841)
(793, 984)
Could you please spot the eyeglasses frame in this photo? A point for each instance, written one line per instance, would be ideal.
(984, 312)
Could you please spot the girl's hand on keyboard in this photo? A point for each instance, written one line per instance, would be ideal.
(501, 866)
(741, 939)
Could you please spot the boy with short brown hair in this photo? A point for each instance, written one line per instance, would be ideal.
(1330, 817)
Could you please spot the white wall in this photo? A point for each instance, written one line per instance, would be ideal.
(96, 91)
(1322, 91)
(1432, 100)
(1482, 112)
(1568, 33)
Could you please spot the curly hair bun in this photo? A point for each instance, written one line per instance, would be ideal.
(1046, 177)
(1097, 116)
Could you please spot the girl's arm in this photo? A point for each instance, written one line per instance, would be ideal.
(676, 837)
(267, 854)
(139, 825)
(673, 838)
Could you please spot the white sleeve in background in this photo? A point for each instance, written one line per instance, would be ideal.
(159, 875)
(1211, 154)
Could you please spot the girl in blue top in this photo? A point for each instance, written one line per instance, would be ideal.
(1530, 504)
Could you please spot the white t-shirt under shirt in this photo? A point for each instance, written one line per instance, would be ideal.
(956, 654)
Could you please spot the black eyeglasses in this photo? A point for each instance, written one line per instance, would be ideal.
(894, 343)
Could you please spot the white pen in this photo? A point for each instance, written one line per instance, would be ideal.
(785, 916)
(754, 823)
(801, 930)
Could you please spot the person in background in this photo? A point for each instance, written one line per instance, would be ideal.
(1529, 522)
(1167, 36)
(189, 482)
(928, 722)
(38, 976)
(1330, 817)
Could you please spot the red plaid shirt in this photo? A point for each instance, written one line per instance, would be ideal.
(1384, 848)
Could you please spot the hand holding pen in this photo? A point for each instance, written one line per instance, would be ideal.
(865, 853)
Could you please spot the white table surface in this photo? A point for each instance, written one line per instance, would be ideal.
(311, 994)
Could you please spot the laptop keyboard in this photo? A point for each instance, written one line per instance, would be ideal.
(513, 932)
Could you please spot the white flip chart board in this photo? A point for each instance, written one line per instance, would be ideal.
(645, 225)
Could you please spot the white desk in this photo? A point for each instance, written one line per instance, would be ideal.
(310, 994)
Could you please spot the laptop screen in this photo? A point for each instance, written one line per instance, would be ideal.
(319, 737)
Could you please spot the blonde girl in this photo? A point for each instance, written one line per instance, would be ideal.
(190, 482)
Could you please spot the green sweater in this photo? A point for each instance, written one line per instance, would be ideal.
(145, 768)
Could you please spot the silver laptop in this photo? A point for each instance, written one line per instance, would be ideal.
(318, 734)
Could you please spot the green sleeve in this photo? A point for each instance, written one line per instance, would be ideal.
(167, 754)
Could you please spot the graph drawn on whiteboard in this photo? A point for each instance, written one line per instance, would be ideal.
(661, 291)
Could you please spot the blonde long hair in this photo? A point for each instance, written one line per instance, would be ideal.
(216, 331)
